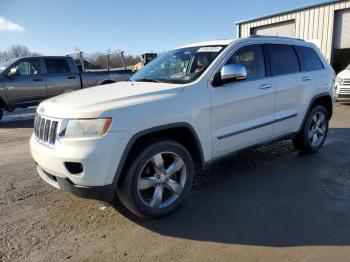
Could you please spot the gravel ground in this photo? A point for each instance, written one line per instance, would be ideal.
(268, 204)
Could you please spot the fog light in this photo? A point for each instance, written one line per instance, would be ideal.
(74, 168)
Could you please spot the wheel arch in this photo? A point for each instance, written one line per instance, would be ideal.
(182, 133)
(323, 99)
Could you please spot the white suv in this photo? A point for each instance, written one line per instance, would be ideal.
(342, 85)
(142, 140)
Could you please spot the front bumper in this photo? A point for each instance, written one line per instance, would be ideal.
(99, 158)
(343, 93)
(343, 98)
(103, 193)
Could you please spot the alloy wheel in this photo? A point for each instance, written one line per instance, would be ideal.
(318, 129)
(162, 180)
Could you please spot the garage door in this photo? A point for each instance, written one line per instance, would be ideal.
(342, 29)
(279, 29)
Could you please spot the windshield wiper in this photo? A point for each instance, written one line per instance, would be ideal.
(148, 80)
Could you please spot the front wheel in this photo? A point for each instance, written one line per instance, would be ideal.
(314, 132)
(158, 179)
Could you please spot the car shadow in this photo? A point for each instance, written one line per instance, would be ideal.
(269, 196)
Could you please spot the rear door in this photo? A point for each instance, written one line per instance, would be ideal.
(242, 111)
(27, 86)
(60, 77)
(290, 87)
(313, 70)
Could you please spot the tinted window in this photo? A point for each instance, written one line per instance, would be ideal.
(283, 59)
(252, 58)
(308, 58)
(28, 67)
(57, 66)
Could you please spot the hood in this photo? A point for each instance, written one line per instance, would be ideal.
(344, 74)
(92, 102)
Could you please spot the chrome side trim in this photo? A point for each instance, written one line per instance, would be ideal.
(256, 127)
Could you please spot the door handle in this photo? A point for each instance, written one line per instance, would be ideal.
(266, 86)
(37, 80)
(11, 88)
(306, 78)
(71, 77)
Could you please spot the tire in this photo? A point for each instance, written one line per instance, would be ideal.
(1, 113)
(314, 132)
(157, 180)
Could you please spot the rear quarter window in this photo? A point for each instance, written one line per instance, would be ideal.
(309, 60)
(283, 59)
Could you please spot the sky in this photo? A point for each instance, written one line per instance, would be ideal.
(57, 27)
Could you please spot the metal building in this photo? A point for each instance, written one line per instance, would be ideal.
(327, 25)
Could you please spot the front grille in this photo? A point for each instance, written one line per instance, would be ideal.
(45, 129)
(346, 81)
(344, 90)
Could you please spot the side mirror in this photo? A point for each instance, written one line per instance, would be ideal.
(12, 72)
(230, 73)
(233, 72)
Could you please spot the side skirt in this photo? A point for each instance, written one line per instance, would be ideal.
(210, 163)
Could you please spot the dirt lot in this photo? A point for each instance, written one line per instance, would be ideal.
(269, 204)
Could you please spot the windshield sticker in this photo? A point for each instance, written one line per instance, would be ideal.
(209, 49)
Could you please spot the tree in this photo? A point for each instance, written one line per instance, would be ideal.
(16, 51)
(93, 61)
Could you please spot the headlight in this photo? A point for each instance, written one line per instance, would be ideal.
(77, 128)
(338, 80)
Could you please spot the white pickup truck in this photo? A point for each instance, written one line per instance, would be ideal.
(143, 140)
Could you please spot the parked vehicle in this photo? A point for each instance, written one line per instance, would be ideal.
(342, 85)
(27, 81)
(143, 140)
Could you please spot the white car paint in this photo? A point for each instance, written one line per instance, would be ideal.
(343, 85)
(213, 113)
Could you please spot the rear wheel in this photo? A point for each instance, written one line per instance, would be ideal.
(158, 179)
(314, 132)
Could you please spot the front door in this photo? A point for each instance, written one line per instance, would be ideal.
(243, 111)
(27, 86)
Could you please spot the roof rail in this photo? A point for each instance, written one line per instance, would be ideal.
(272, 36)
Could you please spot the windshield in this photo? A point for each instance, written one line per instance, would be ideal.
(6, 65)
(179, 66)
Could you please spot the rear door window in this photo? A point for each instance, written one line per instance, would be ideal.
(283, 59)
(57, 66)
(308, 58)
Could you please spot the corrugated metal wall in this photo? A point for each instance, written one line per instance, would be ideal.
(281, 29)
(315, 24)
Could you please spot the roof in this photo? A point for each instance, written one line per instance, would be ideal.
(209, 43)
(226, 42)
(288, 11)
(41, 56)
